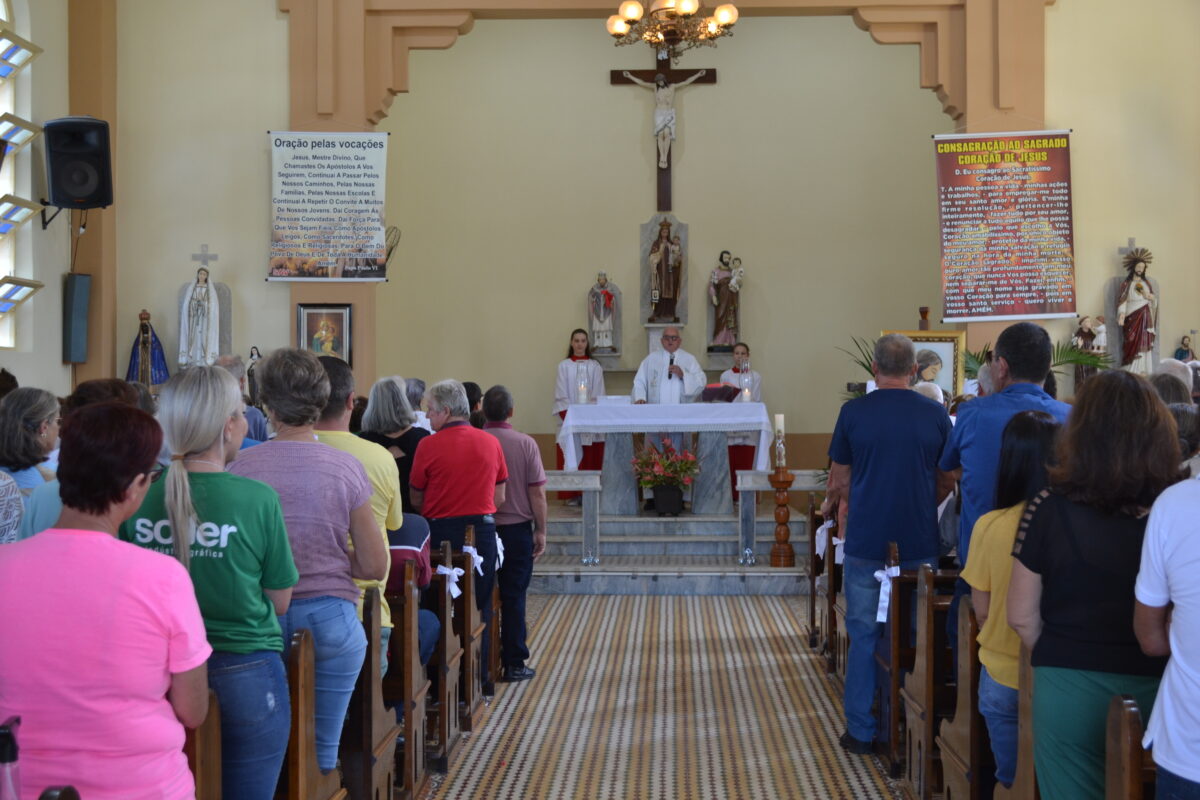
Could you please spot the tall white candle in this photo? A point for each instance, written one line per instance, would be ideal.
(779, 423)
(581, 396)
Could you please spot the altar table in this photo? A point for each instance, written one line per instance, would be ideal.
(711, 492)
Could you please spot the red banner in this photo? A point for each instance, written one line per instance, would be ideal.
(1004, 202)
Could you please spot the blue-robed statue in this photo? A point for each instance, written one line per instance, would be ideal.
(147, 363)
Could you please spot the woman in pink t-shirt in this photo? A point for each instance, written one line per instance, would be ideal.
(104, 655)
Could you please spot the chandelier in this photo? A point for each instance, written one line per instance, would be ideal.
(672, 26)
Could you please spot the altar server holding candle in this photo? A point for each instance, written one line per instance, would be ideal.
(580, 380)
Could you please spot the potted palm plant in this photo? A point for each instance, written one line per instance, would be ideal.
(667, 471)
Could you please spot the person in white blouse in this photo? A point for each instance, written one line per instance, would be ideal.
(580, 380)
(741, 444)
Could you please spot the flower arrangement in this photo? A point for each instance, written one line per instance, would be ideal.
(665, 467)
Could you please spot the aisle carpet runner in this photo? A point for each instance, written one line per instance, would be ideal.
(642, 698)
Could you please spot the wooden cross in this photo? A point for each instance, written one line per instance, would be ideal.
(204, 256)
(662, 66)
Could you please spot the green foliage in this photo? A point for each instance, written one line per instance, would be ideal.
(972, 361)
(1068, 355)
(862, 355)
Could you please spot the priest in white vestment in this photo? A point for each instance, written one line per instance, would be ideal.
(668, 376)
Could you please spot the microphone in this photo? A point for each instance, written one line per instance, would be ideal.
(669, 375)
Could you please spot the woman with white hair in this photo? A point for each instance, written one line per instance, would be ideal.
(229, 533)
(29, 420)
(390, 422)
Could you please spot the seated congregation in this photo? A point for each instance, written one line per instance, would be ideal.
(1021, 653)
(192, 613)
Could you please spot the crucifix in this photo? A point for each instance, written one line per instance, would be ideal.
(204, 256)
(663, 80)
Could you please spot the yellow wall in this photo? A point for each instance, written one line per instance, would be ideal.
(199, 85)
(1123, 75)
(515, 179)
(517, 172)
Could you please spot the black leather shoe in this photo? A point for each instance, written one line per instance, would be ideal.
(855, 746)
(514, 674)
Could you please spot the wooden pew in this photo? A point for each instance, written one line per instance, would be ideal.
(203, 750)
(1129, 771)
(928, 693)
(493, 634)
(302, 776)
(818, 581)
(406, 685)
(470, 629)
(368, 748)
(1025, 781)
(894, 656)
(967, 765)
(446, 668)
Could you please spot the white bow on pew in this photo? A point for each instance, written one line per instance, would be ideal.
(452, 575)
(884, 576)
(499, 553)
(476, 559)
(839, 550)
(822, 537)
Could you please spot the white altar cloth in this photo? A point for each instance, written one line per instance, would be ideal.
(655, 418)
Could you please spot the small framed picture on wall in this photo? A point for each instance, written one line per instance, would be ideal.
(940, 356)
(324, 329)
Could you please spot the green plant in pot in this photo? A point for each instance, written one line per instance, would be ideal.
(667, 471)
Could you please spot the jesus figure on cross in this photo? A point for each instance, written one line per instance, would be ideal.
(664, 109)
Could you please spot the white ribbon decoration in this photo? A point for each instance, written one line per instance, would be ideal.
(884, 576)
(452, 575)
(499, 552)
(839, 550)
(822, 539)
(475, 558)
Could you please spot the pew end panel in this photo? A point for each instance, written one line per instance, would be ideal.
(471, 630)
(406, 685)
(1025, 780)
(368, 747)
(968, 769)
(1129, 771)
(302, 777)
(446, 668)
(203, 750)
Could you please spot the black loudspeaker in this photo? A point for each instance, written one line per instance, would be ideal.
(78, 169)
(75, 317)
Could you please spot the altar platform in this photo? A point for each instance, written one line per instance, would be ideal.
(692, 554)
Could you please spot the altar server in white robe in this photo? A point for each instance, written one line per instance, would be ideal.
(577, 367)
(668, 376)
(742, 444)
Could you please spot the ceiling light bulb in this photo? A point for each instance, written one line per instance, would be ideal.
(711, 28)
(685, 8)
(631, 10)
(726, 14)
(617, 26)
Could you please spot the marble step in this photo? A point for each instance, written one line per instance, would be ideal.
(683, 525)
(694, 575)
(693, 545)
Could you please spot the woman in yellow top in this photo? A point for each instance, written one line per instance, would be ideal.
(1026, 448)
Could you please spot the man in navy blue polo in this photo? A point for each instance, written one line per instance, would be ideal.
(1019, 367)
(884, 456)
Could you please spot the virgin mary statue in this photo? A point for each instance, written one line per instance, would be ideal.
(199, 323)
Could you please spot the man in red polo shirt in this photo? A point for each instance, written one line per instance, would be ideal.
(458, 479)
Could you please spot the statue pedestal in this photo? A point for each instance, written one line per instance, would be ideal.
(782, 554)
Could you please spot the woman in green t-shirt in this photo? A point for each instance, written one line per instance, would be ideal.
(229, 532)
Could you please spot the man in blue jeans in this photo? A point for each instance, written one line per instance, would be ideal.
(883, 456)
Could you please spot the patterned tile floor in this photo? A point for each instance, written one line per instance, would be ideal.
(664, 697)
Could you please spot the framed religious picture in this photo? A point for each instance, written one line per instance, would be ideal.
(324, 329)
(939, 358)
